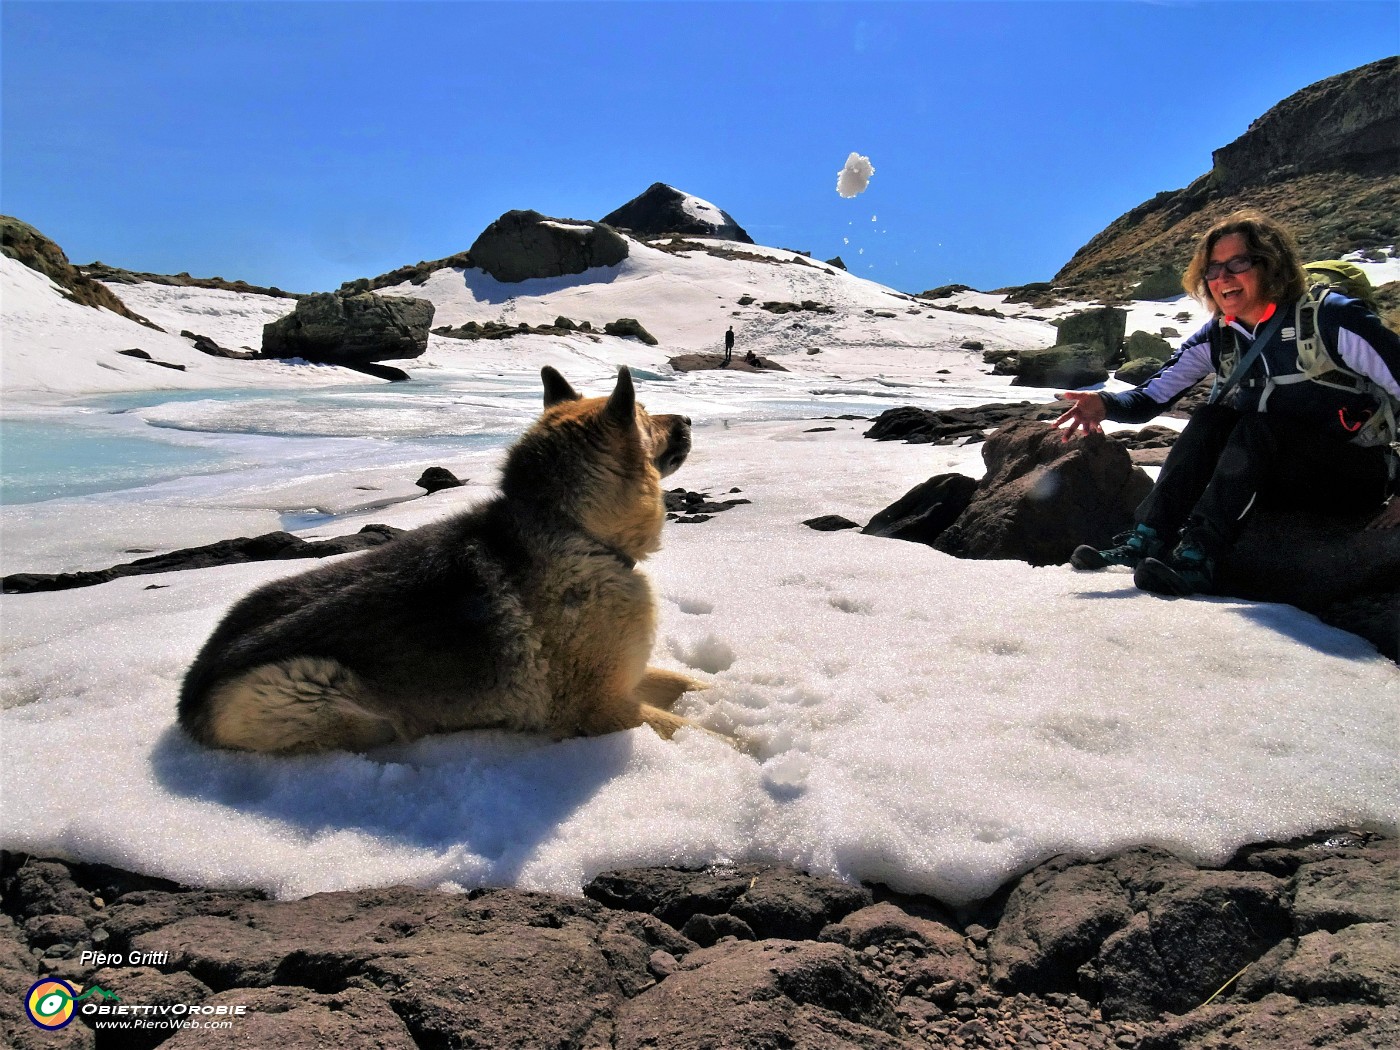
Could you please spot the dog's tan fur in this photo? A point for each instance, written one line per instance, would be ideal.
(525, 614)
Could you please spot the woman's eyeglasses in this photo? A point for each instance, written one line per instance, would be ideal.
(1239, 264)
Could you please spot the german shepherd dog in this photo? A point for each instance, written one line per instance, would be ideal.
(526, 613)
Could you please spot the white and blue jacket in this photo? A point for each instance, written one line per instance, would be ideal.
(1352, 332)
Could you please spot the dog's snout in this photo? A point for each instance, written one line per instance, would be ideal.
(685, 420)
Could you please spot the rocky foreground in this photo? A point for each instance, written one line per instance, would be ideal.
(1294, 945)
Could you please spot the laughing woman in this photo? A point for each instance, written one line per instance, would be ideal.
(1270, 434)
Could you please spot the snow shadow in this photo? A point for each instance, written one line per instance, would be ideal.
(496, 794)
(1306, 629)
(486, 289)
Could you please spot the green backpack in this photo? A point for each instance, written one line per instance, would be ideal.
(1316, 361)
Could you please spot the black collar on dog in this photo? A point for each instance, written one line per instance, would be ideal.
(608, 548)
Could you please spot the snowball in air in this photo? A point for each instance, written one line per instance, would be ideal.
(855, 176)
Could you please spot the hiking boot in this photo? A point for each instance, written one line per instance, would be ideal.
(1133, 547)
(1187, 570)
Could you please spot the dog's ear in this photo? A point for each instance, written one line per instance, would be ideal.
(622, 402)
(556, 387)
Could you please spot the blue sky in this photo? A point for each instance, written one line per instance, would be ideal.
(304, 144)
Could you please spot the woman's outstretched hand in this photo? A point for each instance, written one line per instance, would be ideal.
(1086, 412)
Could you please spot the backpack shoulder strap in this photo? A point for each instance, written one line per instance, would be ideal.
(1261, 336)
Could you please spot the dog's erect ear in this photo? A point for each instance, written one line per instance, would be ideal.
(556, 387)
(622, 403)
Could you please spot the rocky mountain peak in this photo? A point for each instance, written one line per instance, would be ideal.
(1349, 122)
(1325, 162)
(663, 209)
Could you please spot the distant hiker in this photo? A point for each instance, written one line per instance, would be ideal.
(753, 359)
(728, 345)
(1302, 413)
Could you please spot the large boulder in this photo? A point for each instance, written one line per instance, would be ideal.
(525, 244)
(1310, 560)
(664, 209)
(1103, 327)
(352, 330)
(1064, 366)
(1042, 496)
(922, 513)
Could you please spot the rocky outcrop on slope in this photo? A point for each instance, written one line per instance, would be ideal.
(415, 273)
(662, 209)
(1325, 162)
(1288, 946)
(100, 271)
(25, 244)
(525, 244)
(351, 330)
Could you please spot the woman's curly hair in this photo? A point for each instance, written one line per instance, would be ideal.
(1274, 251)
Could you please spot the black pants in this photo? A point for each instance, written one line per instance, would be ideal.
(1227, 462)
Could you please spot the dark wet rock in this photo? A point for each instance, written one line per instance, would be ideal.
(388, 372)
(271, 546)
(1042, 496)
(142, 355)
(435, 479)
(830, 523)
(953, 425)
(922, 513)
(524, 244)
(681, 502)
(336, 329)
(205, 345)
(660, 209)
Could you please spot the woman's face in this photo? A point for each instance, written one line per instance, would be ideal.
(1236, 294)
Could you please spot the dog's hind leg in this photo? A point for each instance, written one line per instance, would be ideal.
(304, 704)
(662, 688)
(663, 722)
